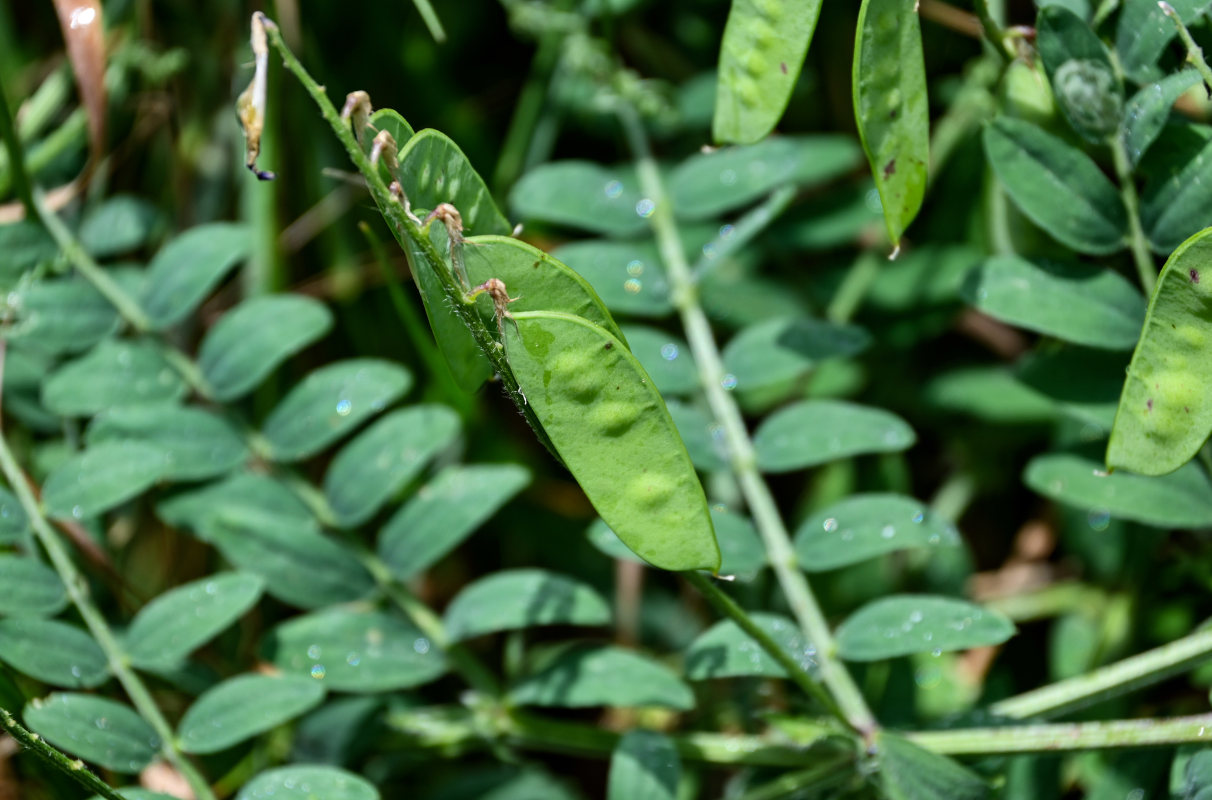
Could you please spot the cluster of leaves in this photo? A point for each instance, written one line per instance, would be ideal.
(304, 514)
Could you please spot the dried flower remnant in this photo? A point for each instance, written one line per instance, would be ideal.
(250, 106)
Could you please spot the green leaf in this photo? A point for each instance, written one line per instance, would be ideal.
(1143, 32)
(908, 772)
(864, 526)
(118, 225)
(703, 436)
(1084, 304)
(534, 279)
(605, 418)
(103, 476)
(300, 565)
(308, 783)
(1162, 420)
(1084, 383)
(53, 652)
(66, 315)
(373, 467)
(444, 512)
(707, 185)
(433, 170)
(741, 550)
(774, 351)
(1058, 187)
(903, 624)
(114, 373)
(1084, 81)
(23, 245)
(1146, 113)
(583, 195)
(726, 651)
(29, 588)
(355, 651)
(1175, 206)
(813, 432)
(239, 708)
(180, 621)
(602, 676)
(245, 491)
(466, 362)
(628, 276)
(251, 340)
(331, 402)
(988, 393)
(196, 443)
(522, 598)
(186, 269)
(760, 59)
(644, 766)
(13, 520)
(100, 731)
(890, 108)
(1182, 499)
(665, 357)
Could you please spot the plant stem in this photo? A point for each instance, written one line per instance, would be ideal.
(77, 590)
(468, 666)
(457, 728)
(801, 782)
(16, 156)
(425, 9)
(1145, 266)
(1195, 53)
(73, 768)
(742, 232)
(91, 270)
(1066, 737)
(1115, 679)
(727, 607)
(744, 464)
(859, 279)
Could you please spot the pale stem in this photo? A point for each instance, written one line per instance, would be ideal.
(1066, 736)
(74, 769)
(1195, 53)
(1146, 268)
(757, 494)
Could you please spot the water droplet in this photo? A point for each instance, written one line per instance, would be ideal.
(915, 616)
(645, 207)
(887, 532)
(728, 382)
(313, 652)
(710, 250)
(635, 268)
(918, 517)
(728, 177)
(77, 512)
(613, 189)
(353, 659)
(344, 406)
(936, 652)
(872, 201)
(726, 231)
(421, 645)
(632, 286)
(318, 672)
(830, 525)
(1098, 519)
(669, 351)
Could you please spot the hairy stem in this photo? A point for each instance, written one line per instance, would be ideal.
(1066, 737)
(73, 768)
(757, 494)
(729, 609)
(1195, 53)
(77, 591)
(1145, 266)
(1112, 680)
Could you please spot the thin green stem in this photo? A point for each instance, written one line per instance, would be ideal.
(728, 608)
(426, 10)
(1112, 680)
(16, 156)
(478, 676)
(91, 270)
(744, 464)
(733, 237)
(849, 295)
(1195, 53)
(73, 768)
(1145, 266)
(1066, 737)
(77, 591)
